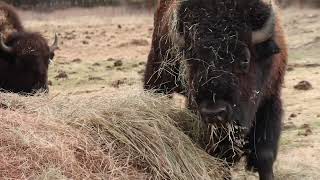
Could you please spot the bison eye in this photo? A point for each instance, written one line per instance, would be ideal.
(267, 49)
(245, 63)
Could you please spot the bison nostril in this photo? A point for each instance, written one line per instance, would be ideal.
(215, 113)
(219, 110)
(221, 114)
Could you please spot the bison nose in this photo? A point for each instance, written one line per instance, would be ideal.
(219, 112)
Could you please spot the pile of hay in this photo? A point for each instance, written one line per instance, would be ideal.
(100, 136)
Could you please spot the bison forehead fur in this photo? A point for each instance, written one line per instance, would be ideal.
(199, 48)
(28, 43)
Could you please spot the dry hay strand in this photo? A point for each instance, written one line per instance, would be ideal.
(101, 136)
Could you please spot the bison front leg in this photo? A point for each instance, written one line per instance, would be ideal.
(264, 138)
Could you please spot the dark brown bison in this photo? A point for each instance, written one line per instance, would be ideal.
(24, 55)
(228, 57)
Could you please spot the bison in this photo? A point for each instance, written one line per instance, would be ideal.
(228, 57)
(24, 56)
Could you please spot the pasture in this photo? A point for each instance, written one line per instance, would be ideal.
(102, 54)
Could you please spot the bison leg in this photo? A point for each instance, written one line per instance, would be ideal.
(264, 138)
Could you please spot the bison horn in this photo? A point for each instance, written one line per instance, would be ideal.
(54, 46)
(3, 46)
(266, 31)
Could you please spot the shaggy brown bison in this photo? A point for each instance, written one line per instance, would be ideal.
(24, 55)
(228, 57)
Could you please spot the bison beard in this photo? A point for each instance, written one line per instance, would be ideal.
(228, 57)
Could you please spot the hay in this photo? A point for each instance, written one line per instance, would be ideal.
(101, 136)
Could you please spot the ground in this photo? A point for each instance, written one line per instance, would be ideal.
(104, 48)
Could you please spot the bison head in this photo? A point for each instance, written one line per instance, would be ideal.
(28, 57)
(227, 48)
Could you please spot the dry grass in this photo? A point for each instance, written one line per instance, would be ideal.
(114, 136)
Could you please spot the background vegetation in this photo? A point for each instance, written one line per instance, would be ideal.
(53, 4)
(80, 3)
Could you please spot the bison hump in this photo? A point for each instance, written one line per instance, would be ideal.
(9, 20)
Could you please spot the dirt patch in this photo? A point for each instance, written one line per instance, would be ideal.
(303, 85)
(50, 83)
(306, 130)
(139, 42)
(93, 78)
(61, 75)
(96, 64)
(118, 63)
(289, 126)
(77, 60)
(118, 83)
(141, 71)
(85, 42)
(135, 42)
(292, 116)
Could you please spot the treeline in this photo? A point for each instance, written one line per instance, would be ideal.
(27, 4)
(55, 4)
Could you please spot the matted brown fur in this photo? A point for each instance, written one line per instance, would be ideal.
(279, 61)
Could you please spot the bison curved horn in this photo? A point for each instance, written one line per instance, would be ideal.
(3, 46)
(266, 31)
(54, 46)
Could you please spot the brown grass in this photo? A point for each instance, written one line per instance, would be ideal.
(118, 136)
